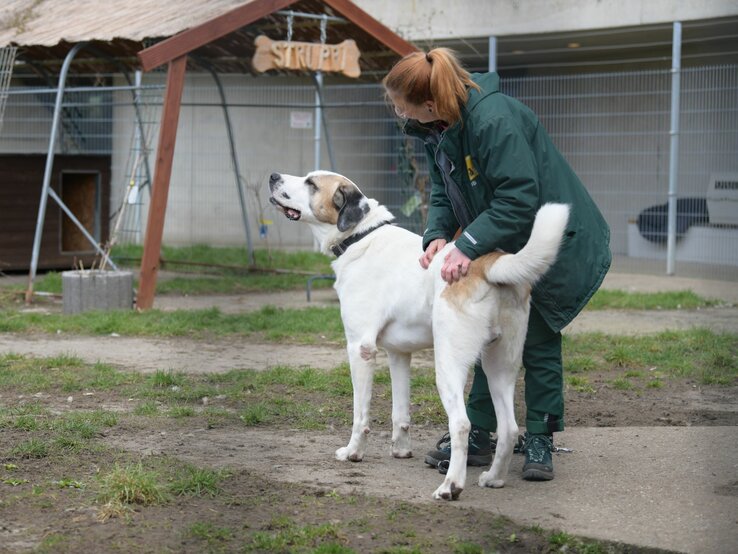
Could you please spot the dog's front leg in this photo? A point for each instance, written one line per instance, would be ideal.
(362, 374)
(399, 363)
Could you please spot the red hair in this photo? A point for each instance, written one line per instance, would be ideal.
(437, 76)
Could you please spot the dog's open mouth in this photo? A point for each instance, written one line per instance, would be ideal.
(290, 213)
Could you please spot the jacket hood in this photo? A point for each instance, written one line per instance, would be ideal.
(489, 83)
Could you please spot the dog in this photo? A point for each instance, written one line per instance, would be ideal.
(389, 301)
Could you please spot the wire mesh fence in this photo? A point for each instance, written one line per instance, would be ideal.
(612, 127)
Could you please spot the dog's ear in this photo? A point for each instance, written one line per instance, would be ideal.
(351, 207)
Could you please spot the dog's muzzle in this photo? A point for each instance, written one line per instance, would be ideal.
(275, 179)
(289, 213)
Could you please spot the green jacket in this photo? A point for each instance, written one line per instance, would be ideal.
(500, 168)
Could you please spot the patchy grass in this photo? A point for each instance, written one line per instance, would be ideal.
(268, 323)
(609, 299)
(699, 354)
(162, 503)
(579, 383)
(197, 481)
(131, 484)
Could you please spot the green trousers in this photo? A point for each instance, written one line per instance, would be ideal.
(544, 383)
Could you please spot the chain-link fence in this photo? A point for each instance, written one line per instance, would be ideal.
(613, 128)
(615, 131)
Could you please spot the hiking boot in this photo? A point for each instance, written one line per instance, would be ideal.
(479, 454)
(538, 464)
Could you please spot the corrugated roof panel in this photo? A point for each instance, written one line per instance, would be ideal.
(49, 22)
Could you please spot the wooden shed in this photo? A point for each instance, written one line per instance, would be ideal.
(81, 181)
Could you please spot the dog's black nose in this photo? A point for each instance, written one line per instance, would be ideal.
(274, 177)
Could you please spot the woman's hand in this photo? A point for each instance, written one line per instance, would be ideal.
(433, 248)
(455, 265)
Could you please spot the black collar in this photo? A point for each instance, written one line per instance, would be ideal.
(341, 247)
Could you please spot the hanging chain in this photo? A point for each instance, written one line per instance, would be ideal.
(290, 17)
(323, 25)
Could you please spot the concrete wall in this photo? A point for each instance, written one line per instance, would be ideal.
(441, 19)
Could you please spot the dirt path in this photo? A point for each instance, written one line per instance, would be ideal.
(654, 481)
(661, 487)
(197, 356)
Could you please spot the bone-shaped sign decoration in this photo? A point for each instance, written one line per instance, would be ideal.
(282, 54)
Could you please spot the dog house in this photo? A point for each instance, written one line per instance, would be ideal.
(81, 181)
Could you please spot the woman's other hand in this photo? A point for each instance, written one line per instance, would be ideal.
(433, 248)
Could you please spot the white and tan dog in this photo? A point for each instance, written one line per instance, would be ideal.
(388, 301)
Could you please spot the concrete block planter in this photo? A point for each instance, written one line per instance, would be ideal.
(84, 290)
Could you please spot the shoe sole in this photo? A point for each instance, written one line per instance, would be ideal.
(470, 461)
(537, 474)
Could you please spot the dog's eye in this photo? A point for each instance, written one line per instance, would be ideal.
(311, 185)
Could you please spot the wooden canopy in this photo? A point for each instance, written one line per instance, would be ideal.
(218, 35)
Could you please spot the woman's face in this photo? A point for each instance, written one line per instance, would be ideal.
(424, 112)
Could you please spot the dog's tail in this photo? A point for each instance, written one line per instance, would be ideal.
(539, 253)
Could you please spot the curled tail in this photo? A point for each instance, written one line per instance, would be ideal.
(539, 253)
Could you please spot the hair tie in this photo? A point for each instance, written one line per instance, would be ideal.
(428, 58)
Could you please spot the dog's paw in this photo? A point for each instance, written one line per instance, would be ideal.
(347, 455)
(486, 479)
(401, 452)
(447, 491)
(401, 443)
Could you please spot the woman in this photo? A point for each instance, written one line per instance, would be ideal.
(492, 165)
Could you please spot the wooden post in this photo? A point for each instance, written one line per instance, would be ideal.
(160, 186)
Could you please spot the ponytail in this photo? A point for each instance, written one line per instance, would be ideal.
(437, 76)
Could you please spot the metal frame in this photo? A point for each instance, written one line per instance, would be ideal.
(46, 190)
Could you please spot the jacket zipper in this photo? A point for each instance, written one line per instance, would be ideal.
(457, 200)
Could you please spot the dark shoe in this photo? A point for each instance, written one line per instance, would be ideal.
(538, 464)
(479, 454)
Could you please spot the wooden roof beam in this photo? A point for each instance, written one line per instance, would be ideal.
(192, 39)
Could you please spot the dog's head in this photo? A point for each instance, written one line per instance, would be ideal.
(319, 197)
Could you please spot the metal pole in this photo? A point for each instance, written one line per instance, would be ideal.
(318, 119)
(328, 144)
(676, 53)
(492, 63)
(49, 164)
(140, 144)
(143, 150)
(318, 108)
(234, 159)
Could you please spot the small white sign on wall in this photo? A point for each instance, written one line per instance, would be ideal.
(301, 120)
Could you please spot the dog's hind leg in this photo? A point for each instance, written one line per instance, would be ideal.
(362, 374)
(399, 363)
(451, 375)
(501, 362)
(456, 348)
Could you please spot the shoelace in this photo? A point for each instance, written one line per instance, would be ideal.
(536, 446)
